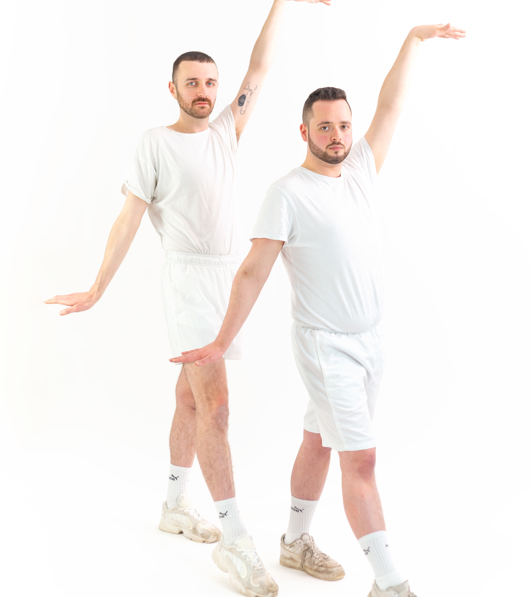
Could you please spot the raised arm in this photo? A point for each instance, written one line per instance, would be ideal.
(247, 285)
(395, 88)
(121, 236)
(260, 63)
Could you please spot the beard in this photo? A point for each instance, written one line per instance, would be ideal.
(324, 155)
(195, 111)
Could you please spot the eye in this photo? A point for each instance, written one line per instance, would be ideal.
(324, 128)
(345, 127)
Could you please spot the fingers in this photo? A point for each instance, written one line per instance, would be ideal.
(67, 311)
(58, 300)
(188, 356)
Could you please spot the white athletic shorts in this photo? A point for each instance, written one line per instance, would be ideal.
(341, 373)
(196, 291)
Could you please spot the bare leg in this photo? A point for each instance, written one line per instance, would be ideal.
(310, 468)
(359, 490)
(210, 391)
(183, 428)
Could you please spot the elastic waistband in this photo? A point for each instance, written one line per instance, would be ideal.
(200, 259)
(376, 327)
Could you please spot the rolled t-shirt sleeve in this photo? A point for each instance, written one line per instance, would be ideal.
(142, 177)
(275, 219)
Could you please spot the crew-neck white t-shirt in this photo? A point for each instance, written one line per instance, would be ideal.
(332, 249)
(189, 182)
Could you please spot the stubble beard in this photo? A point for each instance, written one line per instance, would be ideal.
(322, 154)
(195, 111)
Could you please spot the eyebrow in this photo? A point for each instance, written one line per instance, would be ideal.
(197, 78)
(329, 122)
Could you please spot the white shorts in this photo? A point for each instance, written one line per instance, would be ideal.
(341, 373)
(196, 291)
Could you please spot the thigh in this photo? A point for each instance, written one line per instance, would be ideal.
(336, 383)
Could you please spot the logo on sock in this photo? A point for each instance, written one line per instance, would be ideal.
(297, 509)
(173, 478)
(367, 551)
(223, 514)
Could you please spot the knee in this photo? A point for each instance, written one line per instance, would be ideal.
(361, 463)
(186, 402)
(215, 412)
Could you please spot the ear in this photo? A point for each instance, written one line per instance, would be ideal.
(303, 131)
(172, 89)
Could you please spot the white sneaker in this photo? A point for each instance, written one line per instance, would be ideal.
(183, 518)
(245, 568)
(402, 590)
(303, 554)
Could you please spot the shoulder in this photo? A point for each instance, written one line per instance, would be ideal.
(224, 125)
(360, 155)
(289, 184)
(151, 138)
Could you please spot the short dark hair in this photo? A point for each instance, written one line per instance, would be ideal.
(190, 57)
(326, 94)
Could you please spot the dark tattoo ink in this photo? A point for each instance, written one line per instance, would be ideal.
(245, 100)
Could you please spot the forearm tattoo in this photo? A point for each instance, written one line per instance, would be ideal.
(245, 98)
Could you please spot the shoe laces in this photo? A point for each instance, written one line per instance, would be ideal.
(251, 556)
(311, 547)
(191, 512)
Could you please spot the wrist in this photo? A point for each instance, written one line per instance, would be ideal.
(96, 292)
(223, 344)
(415, 35)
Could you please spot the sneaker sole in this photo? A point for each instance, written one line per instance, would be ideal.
(295, 565)
(178, 530)
(234, 578)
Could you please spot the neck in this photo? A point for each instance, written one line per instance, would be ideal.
(320, 167)
(189, 124)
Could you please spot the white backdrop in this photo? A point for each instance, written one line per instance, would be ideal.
(87, 400)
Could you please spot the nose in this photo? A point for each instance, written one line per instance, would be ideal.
(202, 90)
(335, 134)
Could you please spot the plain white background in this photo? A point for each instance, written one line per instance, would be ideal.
(87, 400)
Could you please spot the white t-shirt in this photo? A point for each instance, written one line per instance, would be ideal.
(332, 249)
(189, 182)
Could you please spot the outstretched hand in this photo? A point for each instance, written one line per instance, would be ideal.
(328, 2)
(79, 301)
(424, 32)
(201, 356)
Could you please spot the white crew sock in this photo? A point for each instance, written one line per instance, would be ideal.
(299, 519)
(178, 481)
(232, 526)
(377, 550)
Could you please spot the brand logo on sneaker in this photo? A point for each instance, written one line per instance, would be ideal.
(366, 551)
(297, 509)
(223, 514)
(173, 478)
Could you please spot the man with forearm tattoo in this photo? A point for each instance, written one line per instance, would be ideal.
(322, 217)
(183, 175)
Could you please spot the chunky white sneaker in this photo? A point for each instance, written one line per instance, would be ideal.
(303, 554)
(245, 568)
(402, 590)
(183, 518)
